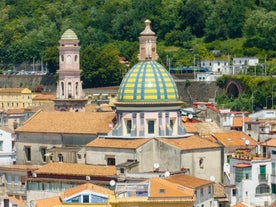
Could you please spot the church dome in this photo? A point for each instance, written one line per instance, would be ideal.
(148, 81)
(69, 35)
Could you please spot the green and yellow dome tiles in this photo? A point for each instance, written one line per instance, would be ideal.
(69, 35)
(148, 81)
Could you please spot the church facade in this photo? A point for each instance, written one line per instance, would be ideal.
(149, 135)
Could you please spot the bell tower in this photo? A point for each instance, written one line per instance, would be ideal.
(69, 94)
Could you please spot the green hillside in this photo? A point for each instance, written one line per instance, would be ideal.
(30, 30)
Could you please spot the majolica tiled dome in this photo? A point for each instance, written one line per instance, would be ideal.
(148, 81)
(69, 35)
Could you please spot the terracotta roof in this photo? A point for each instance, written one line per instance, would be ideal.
(14, 200)
(11, 90)
(19, 167)
(15, 111)
(118, 143)
(42, 96)
(270, 142)
(234, 138)
(76, 169)
(48, 202)
(219, 191)
(242, 165)
(188, 143)
(188, 181)
(240, 204)
(238, 121)
(68, 122)
(160, 188)
(86, 186)
(202, 128)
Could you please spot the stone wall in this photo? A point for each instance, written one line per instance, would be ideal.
(189, 91)
(196, 90)
(28, 81)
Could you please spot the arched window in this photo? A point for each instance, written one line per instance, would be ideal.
(76, 58)
(262, 189)
(69, 90)
(62, 58)
(62, 88)
(60, 157)
(77, 88)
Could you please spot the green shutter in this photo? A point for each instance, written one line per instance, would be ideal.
(262, 169)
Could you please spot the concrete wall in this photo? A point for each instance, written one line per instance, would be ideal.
(35, 141)
(211, 165)
(98, 156)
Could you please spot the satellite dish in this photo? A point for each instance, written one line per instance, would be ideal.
(156, 165)
(167, 174)
(212, 178)
(190, 116)
(112, 182)
(247, 142)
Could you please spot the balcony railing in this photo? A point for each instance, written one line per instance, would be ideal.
(263, 177)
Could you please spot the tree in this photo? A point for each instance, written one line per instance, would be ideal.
(101, 66)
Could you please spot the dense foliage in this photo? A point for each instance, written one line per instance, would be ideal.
(107, 29)
(258, 93)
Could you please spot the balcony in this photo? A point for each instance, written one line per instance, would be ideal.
(263, 177)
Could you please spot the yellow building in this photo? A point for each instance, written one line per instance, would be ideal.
(42, 99)
(15, 98)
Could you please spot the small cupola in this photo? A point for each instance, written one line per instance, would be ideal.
(147, 44)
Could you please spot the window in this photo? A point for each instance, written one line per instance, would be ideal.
(60, 157)
(76, 58)
(1, 145)
(62, 88)
(43, 152)
(77, 88)
(85, 198)
(201, 163)
(172, 124)
(209, 189)
(201, 192)
(234, 192)
(150, 126)
(69, 90)
(264, 151)
(62, 58)
(162, 190)
(122, 170)
(28, 153)
(249, 127)
(273, 164)
(128, 126)
(273, 188)
(262, 188)
(110, 161)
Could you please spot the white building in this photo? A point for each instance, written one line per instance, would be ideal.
(7, 150)
(242, 63)
(217, 66)
(252, 178)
